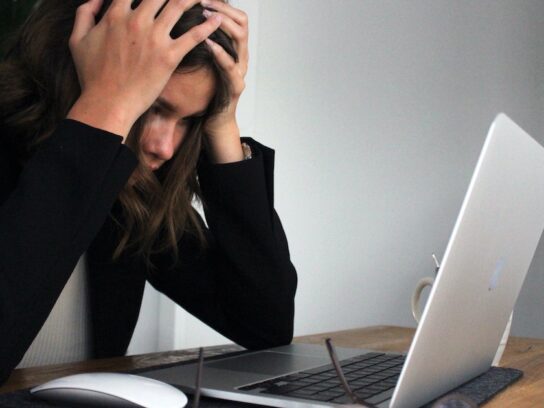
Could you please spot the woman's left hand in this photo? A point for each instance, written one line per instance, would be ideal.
(222, 129)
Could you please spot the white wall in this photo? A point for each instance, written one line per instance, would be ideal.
(378, 111)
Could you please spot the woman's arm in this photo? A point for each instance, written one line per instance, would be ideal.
(243, 285)
(49, 213)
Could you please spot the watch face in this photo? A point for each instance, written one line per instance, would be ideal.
(247, 151)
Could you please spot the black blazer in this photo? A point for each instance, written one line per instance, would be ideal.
(62, 203)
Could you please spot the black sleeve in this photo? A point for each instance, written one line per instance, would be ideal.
(49, 213)
(243, 283)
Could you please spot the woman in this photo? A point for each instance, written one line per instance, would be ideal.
(102, 151)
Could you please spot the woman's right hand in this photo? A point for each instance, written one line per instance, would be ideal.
(124, 62)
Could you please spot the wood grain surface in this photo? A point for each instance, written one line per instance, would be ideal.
(525, 354)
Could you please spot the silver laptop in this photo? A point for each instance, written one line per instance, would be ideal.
(483, 268)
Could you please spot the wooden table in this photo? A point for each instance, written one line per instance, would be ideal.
(522, 353)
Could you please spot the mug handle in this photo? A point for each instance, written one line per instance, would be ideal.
(416, 296)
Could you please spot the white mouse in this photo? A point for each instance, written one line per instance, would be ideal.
(110, 390)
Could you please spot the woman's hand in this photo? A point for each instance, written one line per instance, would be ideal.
(222, 128)
(124, 62)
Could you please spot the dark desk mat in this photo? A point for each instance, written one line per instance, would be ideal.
(480, 390)
(484, 387)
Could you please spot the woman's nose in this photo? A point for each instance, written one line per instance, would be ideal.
(162, 143)
(164, 149)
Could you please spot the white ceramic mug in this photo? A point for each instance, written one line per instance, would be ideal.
(416, 298)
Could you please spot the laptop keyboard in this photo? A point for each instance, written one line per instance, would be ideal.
(372, 376)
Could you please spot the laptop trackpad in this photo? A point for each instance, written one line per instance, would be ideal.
(269, 363)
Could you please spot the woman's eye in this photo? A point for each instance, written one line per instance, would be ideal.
(187, 121)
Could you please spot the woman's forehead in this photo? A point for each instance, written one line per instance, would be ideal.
(189, 93)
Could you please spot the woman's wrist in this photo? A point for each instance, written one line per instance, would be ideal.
(98, 113)
(225, 145)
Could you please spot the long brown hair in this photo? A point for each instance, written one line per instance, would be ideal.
(39, 85)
